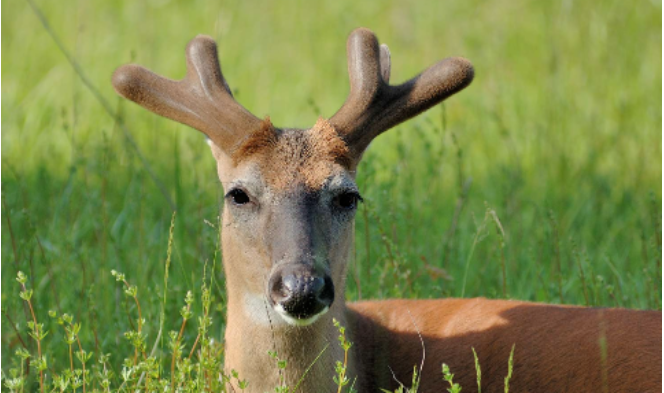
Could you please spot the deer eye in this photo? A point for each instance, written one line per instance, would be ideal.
(238, 196)
(347, 200)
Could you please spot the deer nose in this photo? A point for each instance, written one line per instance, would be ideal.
(301, 293)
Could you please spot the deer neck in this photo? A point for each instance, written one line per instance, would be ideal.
(254, 330)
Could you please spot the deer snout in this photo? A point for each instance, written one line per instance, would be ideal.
(299, 294)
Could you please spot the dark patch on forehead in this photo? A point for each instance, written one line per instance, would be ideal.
(293, 156)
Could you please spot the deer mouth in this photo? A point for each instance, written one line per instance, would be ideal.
(298, 320)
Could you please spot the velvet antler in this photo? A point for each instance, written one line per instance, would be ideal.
(201, 100)
(374, 106)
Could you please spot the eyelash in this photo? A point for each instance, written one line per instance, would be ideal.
(348, 200)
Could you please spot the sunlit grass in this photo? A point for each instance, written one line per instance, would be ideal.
(559, 136)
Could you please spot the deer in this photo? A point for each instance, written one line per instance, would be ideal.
(288, 227)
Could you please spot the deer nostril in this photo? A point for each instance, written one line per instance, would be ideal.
(277, 288)
(289, 284)
(326, 292)
(317, 286)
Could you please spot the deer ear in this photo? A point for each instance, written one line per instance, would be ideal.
(217, 153)
(223, 160)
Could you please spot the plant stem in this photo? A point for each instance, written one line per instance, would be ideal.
(38, 339)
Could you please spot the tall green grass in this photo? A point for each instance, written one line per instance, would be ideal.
(542, 181)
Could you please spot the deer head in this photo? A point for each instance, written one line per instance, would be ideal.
(290, 193)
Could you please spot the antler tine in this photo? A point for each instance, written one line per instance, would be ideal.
(201, 100)
(385, 63)
(373, 106)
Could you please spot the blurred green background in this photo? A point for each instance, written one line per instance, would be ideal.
(558, 138)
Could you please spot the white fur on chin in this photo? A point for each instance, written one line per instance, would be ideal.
(296, 321)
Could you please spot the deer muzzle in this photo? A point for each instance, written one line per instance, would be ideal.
(299, 294)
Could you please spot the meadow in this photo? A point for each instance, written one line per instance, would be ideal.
(542, 181)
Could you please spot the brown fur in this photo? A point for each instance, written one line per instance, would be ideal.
(264, 138)
(557, 348)
(304, 156)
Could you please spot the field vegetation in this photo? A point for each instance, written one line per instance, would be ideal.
(542, 181)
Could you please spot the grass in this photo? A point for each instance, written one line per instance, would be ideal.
(542, 181)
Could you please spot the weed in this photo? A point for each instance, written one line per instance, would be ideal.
(510, 367)
(449, 378)
(341, 379)
(478, 371)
